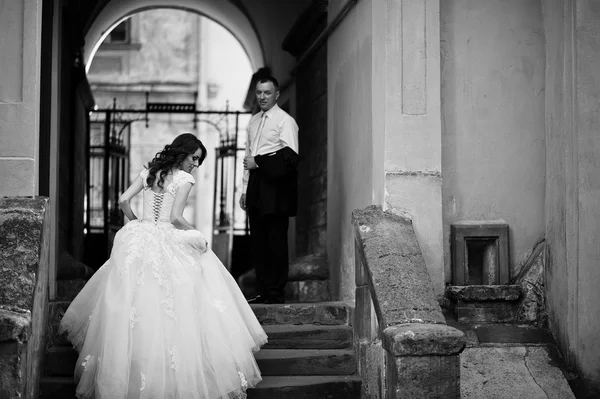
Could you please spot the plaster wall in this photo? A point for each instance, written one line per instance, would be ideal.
(493, 141)
(573, 183)
(407, 120)
(20, 58)
(349, 135)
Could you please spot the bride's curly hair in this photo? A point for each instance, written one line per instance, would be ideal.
(172, 156)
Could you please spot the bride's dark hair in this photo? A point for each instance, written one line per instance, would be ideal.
(172, 156)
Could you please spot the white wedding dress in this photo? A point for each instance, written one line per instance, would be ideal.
(160, 319)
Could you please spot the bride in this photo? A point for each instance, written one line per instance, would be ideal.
(163, 318)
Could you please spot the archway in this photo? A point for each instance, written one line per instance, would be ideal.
(169, 56)
(222, 12)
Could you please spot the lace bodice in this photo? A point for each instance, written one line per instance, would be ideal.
(157, 206)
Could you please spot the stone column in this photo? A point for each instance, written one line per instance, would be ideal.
(20, 29)
(406, 106)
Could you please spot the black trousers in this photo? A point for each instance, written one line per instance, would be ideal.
(268, 236)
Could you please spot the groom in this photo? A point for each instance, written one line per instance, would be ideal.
(269, 193)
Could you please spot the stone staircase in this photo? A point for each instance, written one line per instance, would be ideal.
(309, 354)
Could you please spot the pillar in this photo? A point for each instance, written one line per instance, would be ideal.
(407, 120)
(20, 29)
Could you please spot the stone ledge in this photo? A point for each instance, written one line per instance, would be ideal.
(423, 340)
(388, 250)
(14, 326)
(471, 293)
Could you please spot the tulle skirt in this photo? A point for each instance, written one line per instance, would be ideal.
(162, 320)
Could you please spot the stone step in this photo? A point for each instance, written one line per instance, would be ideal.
(307, 387)
(309, 336)
(485, 303)
(326, 313)
(275, 387)
(321, 313)
(306, 361)
(60, 361)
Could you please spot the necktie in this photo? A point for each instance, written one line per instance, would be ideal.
(263, 119)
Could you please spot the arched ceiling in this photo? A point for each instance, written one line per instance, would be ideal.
(221, 11)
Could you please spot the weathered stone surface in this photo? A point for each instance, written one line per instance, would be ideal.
(486, 312)
(317, 214)
(423, 340)
(306, 361)
(371, 368)
(286, 387)
(532, 307)
(24, 268)
(307, 291)
(309, 267)
(13, 369)
(317, 240)
(512, 334)
(271, 387)
(414, 377)
(327, 313)
(20, 228)
(484, 292)
(361, 272)
(14, 326)
(403, 292)
(362, 312)
(511, 372)
(308, 337)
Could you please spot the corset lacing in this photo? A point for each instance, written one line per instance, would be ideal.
(156, 205)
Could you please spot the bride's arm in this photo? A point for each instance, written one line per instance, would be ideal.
(178, 206)
(124, 199)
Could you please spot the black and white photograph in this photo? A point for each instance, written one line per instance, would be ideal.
(299, 199)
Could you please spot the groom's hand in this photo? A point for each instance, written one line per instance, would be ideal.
(249, 163)
(243, 201)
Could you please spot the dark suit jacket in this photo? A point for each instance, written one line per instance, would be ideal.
(273, 186)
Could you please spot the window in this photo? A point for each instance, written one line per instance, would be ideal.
(120, 34)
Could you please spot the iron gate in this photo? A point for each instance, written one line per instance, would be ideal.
(109, 143)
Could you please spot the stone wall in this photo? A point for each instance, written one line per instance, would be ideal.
(405, 350)
(24, 251)
(311, 89)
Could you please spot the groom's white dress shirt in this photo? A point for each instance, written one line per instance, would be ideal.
(268, 132)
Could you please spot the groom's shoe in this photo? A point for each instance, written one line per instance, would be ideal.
(256, 299)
